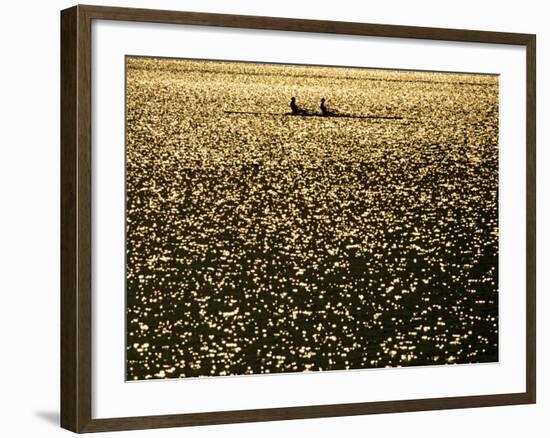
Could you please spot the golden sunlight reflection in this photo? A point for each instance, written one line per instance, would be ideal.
(262, 241)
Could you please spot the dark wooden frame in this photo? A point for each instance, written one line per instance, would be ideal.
(76, 217)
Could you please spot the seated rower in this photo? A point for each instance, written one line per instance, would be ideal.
(324, 110)
(294, 107)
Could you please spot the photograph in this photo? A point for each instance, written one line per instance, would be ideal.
(286, 218)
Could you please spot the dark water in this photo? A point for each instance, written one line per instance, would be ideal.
(264, 243)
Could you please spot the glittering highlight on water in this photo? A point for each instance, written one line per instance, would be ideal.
(261, 242)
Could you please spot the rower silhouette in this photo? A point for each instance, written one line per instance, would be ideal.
(324, 110)
(296, 110)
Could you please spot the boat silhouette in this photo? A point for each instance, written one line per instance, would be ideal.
(296, 111)
(320, 115)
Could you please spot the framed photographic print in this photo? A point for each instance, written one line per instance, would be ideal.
(269, 218)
